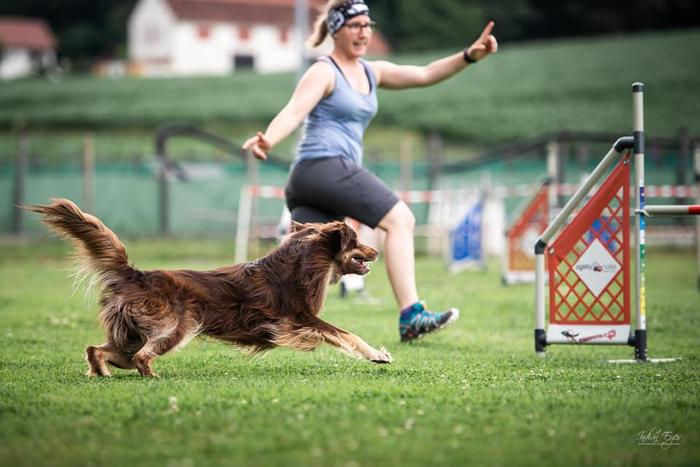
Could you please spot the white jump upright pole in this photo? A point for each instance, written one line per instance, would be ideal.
(640, 334)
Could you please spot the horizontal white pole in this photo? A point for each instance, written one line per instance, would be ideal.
(671, 210)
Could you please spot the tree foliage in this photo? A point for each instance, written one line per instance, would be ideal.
(85, 29)
(421, 25)
(88, 29)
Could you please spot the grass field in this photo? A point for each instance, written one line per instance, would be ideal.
(523, 91)
(473, 395)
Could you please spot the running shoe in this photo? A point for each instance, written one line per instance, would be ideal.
(416, 321)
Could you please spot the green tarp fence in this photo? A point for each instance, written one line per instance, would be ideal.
(206, 204)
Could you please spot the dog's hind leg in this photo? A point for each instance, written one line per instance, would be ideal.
(96, 361)
(99, 356)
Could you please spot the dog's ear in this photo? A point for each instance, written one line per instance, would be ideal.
(297, 226)
(340, 233)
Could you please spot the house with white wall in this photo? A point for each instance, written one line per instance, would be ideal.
(27, 46)
(218, 37)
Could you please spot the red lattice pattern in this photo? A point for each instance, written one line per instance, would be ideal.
(606, 218)
(534, 218)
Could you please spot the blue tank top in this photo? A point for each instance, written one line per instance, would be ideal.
(336, 126)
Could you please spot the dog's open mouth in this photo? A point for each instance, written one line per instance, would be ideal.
(358, 263)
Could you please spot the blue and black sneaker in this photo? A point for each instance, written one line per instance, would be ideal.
(416, 321)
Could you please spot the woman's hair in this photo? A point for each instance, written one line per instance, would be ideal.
(320, 31)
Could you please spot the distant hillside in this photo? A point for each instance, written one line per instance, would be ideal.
(524, 90)
(529, 89)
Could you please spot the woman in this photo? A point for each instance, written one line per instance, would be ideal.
(337, 98)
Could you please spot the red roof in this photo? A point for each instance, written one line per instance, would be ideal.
(27, 33)
(275, 12)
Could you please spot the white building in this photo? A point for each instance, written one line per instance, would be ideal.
(27, 46)
(217, 37)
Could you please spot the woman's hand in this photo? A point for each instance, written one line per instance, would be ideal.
(259, 145)
(486, 44)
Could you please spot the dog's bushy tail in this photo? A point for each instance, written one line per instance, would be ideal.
(99, 251)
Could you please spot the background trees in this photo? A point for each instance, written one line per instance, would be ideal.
(89, 29)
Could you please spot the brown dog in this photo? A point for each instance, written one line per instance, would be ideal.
(272, 301)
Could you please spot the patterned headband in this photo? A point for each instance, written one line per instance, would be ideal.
(338, 16)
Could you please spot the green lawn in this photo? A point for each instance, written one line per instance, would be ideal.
(523, 91)
(474, 394)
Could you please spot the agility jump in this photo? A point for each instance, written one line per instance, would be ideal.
(531, 218)
(541, 203)
(589, 261)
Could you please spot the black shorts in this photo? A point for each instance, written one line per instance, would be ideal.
(331, 188)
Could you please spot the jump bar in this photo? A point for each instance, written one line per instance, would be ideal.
(661, 210)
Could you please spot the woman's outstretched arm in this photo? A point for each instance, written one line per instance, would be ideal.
(392, 76)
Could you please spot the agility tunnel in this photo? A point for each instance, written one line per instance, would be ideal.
(586, 256)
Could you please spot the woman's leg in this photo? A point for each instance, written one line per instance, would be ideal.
(414, 320)
(399, 224)
(331, 186)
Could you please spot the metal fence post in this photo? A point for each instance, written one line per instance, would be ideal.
(406, 163)
(436, 151)
(89, 172)
(683, 163)
(20, 183)
(162, 135)
(696, 156)
(252, 180)
(552, 175)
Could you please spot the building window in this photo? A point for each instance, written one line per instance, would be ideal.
(244, 33)
(243, 62)
(203, 31)
(284, 35)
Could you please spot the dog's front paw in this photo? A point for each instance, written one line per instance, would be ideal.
(382, 356)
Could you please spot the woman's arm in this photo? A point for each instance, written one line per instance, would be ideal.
(392, 76)
(317, 82)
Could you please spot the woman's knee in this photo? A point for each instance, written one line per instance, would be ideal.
(399, 217)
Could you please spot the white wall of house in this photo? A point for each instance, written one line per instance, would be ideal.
(151, 37)
(210, 49)
(202, 49)
(160, 44)
(273, 55)
(18, 63)
(15, 63)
